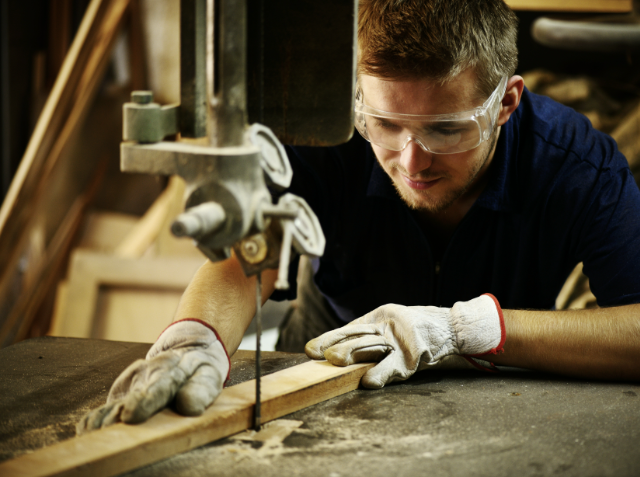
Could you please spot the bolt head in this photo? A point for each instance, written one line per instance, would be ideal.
(254, 249)
(250, 247)
(142, 97)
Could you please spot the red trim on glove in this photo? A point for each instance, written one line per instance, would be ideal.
(473, 362)
(217, 336)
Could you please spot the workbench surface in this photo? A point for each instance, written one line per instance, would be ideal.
(514, 422)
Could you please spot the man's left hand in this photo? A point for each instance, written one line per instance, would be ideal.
(405, 339)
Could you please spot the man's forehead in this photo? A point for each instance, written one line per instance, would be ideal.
(421, 96)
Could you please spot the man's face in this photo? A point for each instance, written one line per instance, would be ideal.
(427, 181)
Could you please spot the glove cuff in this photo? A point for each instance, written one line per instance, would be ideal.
(207, 325)
(479, 325)
(503, 332)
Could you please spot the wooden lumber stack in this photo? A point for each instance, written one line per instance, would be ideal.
(128, 288)
(36, 232)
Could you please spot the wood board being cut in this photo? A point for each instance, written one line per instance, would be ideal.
(121, 447)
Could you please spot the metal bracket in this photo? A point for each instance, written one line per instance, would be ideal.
(291, 223)
(147, 122)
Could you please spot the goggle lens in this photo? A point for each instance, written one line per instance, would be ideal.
(437, 137)
(439, 134)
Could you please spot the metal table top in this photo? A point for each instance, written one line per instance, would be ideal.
(515, 422)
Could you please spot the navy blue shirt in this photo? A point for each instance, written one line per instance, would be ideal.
(559, 192)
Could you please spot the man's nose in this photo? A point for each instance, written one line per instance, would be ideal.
(414, 158)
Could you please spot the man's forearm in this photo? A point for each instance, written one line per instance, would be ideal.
(222, 296)
(188, 364)
(599, 343)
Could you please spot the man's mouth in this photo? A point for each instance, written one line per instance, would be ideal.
(420, 184)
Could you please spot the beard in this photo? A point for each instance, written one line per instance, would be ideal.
(423, 200)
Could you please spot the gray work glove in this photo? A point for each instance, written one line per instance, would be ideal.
(405, 339)
(188, 362)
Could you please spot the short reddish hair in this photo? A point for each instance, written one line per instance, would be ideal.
(437, 39)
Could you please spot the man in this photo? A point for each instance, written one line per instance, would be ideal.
(457, 211)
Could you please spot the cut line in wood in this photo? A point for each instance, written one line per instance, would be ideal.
(122, 447)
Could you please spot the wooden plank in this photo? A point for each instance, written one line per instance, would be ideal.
(138, 60)
(133, 313)
(59, 308)
(121, 448)
(59, 36)
(627, 135)
(89, 271)
(146, 231)
(48, 268)
(64, 111)
(602, 6)
(166, 243)
(73, 74)
(104, 230)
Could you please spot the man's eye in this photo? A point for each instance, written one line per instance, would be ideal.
(387, 126)
(446, 132)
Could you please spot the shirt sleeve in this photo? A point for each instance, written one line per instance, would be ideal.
(609, 233)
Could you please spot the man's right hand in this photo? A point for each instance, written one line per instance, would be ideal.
(188, 363)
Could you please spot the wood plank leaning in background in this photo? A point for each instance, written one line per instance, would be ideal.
(151, 225)
(26, 306)
(130, 292)
(602, 6)
(89, 271)
(65, 109)
(122, 447)
(627, 136)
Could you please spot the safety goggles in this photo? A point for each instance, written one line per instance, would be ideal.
(439, 133)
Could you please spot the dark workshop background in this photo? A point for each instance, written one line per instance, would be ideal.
(34, 38)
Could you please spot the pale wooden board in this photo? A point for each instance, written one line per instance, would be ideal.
(603, 6)
(121, 447)
(134, 314)
(626, 135)
(103, 231)
(147, 229)
(90, 271)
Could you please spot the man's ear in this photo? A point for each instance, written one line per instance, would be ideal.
(511, 99)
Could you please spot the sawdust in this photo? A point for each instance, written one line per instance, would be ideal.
(274, 431)
(34, 439)
(346, 437)
(349, 436)
(268, 439)
(336, 437)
